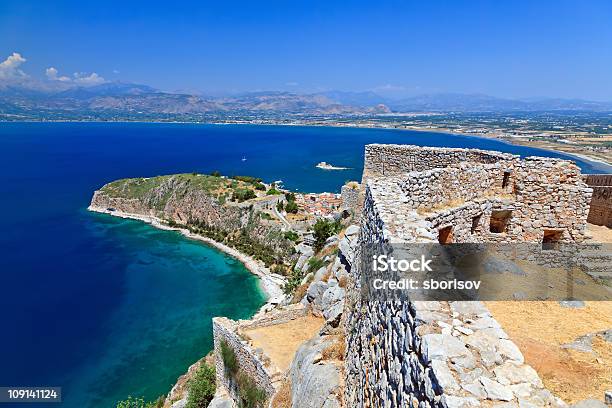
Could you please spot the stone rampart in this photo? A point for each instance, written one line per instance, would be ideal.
(451, 354)
(251, 365)
(250, 362)
(429, 354)
(384, 160)
(350, 196)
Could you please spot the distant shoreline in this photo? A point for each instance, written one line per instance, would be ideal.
(589, 159)
(270, 283)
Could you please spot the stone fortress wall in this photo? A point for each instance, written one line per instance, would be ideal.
(601, 203)
(525, 199)
(251, 362)
(350, 195)
(451, 354)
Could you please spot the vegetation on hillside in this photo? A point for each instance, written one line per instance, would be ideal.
(251, 396)
(324, 229)
(202, 387)
(163, 187)
(139, 402)
(291, 206)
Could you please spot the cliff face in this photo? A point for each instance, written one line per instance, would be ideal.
(199, 203)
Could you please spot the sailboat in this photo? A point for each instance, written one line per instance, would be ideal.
(243, 158)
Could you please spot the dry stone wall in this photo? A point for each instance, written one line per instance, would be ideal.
(451, 354)
(509, 201)
(429, 354)
(225, 330)
(384, 160)
(350, 196)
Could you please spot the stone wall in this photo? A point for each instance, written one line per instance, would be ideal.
(429, 354)
(451, 354)
(350, 196)
(384, 160)
(248, 362)
(531, 196)
(600, 212)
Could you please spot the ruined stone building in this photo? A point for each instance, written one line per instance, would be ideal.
(468, 195)
(452, 354)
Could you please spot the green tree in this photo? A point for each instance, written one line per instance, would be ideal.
(201, 387)
(291, 207)
(324, 229)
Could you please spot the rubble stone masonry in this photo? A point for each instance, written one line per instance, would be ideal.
(451, 354)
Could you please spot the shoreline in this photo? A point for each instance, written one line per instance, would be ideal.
(589, 159)
(269, 283)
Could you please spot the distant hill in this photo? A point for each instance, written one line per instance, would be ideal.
(117, 100)
(455, 102)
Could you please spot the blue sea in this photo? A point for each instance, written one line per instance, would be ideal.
(107, 308)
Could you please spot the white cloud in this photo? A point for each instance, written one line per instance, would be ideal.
(9, 68)
(51, 73)
(91, 79)
(79, 78)
(292, 83)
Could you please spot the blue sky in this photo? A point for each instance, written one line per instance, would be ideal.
(501, 48)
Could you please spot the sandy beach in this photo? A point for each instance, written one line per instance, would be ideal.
(270, 283)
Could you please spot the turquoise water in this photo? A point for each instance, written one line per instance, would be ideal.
(171, 286)
(106, 307)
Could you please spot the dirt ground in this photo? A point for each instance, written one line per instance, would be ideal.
(281, 341)
(600, 233)
(540, 328)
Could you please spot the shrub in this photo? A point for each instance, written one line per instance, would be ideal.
(251, 396)
(279, 269)
(279, 206)
(228, 355)
(248, 179)
(324, 229)
(314, 264)
(273, 191)
(266, 216)
(260, 187)
(243, 194)
(293, 282)
(201, 387)
(291, 207)
(134, 402)
(292, 235)
(215, 174)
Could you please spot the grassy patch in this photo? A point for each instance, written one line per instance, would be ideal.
(228, 355)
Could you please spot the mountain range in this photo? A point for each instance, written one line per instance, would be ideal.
(117, 100)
